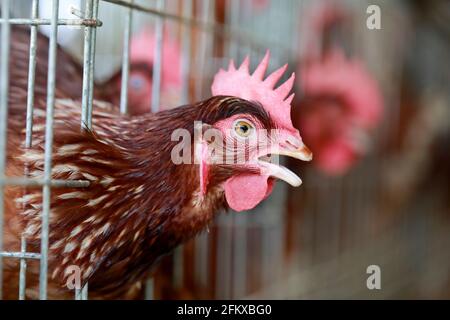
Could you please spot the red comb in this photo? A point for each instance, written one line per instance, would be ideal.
(142, 49)
(253, 87)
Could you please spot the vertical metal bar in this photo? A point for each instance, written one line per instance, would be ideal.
(240, 221)
(186, 47)
(77, 294)
(295, 35)
(265, 253)
(201, 242)
(178, 255)
(46, 197)
(205, 7)
(126, 61)
(158, 61)
(155, 101)
(4, 86)
(156, 89)
(224, 256)
(247, 15)
(201, 259)
(31, 76)
(240, 255)
(84, 292)
(91, 12)
(85, 116)
(149, 289)
(178, 267)
(92, 63)
(224, 247)
(23, 269)
(233, 20)
(29, 130)
(81, 293)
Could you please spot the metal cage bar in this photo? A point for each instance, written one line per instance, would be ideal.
(90, 35)
(48, 152)
(31, 75)
(186, 48)
(92, 62)
(90, 22)
(55, 183)
(86, 117)
(232, 242)
(81, 294)
(158, 61)
(4, 84)
(47, 183)
(20, 255)
(205, 9)
(61, 22)
(178, 255)
(29, 131)
(126, 61)
(202, 245)
(22, 268)
(155, 99)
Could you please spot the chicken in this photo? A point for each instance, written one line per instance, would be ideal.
(142, 49)
(142, 201)
(260, 4)
(341, 105)
(69, 76)
(341, 101)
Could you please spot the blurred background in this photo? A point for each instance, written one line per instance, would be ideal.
(373, 104)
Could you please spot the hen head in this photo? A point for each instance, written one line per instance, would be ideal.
(341, 106)
(142, 56)
(244, 143)
(140, 203)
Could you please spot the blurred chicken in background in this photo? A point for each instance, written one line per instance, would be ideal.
(341, 104)
(142, 54)
(108, 58)
(380, 194)
(260, 4)
(340, 100)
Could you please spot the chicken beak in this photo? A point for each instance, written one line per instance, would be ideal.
(296, 149)
(280, 172)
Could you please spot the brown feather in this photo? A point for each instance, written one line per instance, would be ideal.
(139, 206)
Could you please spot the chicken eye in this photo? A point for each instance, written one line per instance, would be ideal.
(137, 82)
(243, 128)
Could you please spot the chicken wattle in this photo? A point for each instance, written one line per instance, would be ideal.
(142, 202)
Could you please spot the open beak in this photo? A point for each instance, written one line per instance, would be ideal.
(300, 152)
(295, 149)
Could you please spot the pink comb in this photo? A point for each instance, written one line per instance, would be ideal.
(142, 49)
(240, 83)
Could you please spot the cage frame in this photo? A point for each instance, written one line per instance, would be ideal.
(89, 22)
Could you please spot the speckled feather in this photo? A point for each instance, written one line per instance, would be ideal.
(138, 207)
(69, 73)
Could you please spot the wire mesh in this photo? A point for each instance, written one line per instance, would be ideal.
(4, 82)
(47, 182)
(245, 255)
(88, 19)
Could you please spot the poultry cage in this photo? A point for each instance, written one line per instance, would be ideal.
(316, 241)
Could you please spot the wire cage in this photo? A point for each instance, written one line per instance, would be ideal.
(197, 22)
(330, 224)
